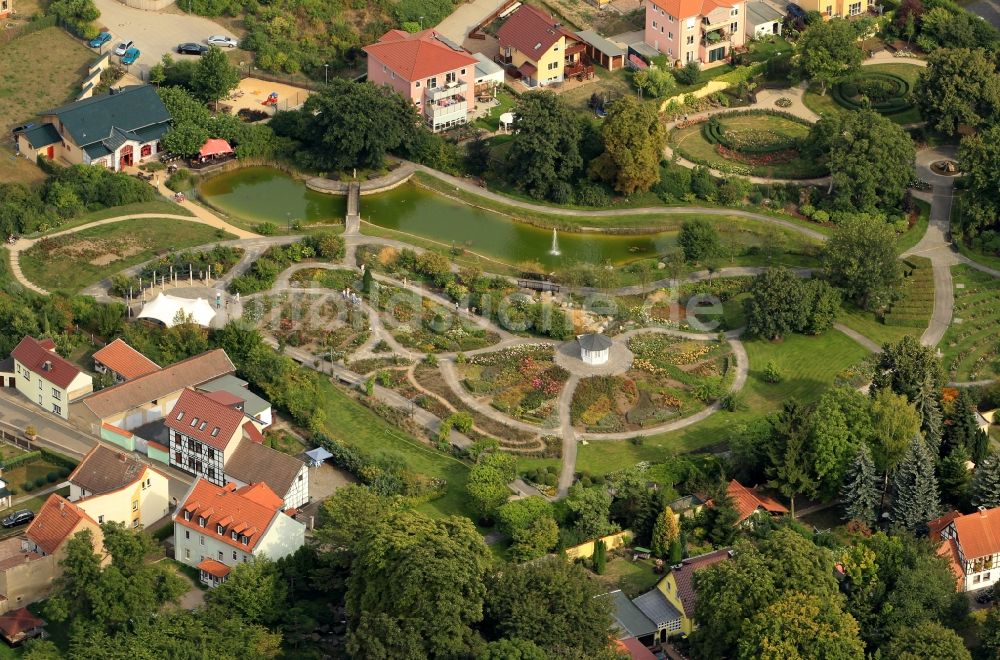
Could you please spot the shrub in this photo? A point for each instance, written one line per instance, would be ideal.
(28, 486)
(39, 482)
(265, 228)
(772, 374)
(689, 74)
(52, 476)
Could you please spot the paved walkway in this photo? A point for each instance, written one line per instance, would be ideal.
(858, 337)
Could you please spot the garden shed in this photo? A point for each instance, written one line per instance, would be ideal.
(595, 348)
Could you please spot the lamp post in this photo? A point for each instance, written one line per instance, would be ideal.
(421, 22)
(326, 74)
(288, 222)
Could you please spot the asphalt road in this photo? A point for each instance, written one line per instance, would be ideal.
(154, 33)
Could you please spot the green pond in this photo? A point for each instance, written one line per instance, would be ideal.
(265, 194)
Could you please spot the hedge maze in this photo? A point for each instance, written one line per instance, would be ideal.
(886, 93)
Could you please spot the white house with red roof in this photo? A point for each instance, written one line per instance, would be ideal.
(436, 74)
(703, 31)
(211, 436)
(971, 545)
(46, 378)
(218, 527)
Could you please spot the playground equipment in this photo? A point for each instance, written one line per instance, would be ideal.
(272, 99)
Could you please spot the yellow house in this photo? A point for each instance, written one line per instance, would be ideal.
(46, 378)
(540, 49)
(670, 605)
(837, 8)
(113, 486)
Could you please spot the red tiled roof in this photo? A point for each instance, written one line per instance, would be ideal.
(634, 649)
(683, 9)
(420, 55)
(225, 398)
(156, 445)
(531, 31)
(54, 523)
(125, 360)
(214, 568)
(19, 621)
(949, 551)
(40, 358)
(104, 470)
(684, 577)
(979, 533)
(747, 500)
(253, 433)
(117, 431)
(936, 526)
(199, 417)
(233, 509)
(528, 69)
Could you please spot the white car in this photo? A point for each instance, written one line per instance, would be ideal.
(221, 40)
(123, 47)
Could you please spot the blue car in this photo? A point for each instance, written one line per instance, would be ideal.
(100, 40)
(130, 56)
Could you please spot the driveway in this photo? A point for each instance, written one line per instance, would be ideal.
(154, 33)
(457, 25)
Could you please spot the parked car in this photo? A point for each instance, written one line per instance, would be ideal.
(191, 48)
(22, 517)
(130, 56)
(987, 596)
(20, 129)
(123, 47)
(100, 40)
(222, 40)
(795, 11)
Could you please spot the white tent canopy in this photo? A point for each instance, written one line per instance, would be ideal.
(170, 310)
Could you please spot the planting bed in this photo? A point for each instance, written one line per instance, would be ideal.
(886, 93)
(522, 381)
(916, 304)
(670, 377)
(972, 344)
(755, 142)
(321, 324)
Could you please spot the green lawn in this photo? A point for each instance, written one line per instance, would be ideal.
(972, 343)
(908, 240)
(825, 104)
(808, 365)
(159, 205)
(916, 303)
(690, 142)
(348, 420)
(866, 323)
(491, 121)
(764, 49)
(632, 577)
(72, 262)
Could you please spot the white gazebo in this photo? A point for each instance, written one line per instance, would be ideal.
(171, 310)
(595, 348)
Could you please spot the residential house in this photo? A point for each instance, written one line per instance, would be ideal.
(703, 31)
(217, 527)
(118, 130)
(147, 399)
(6, 8)
(21, 625)
(837, 8)
(971, 544)
(30, 563)
(123, 362)
(603, 51)
(251, 404)
(46, 378)
(749, 502)
(540, 48)
(631, 622)
(112, 485)
(763, 19)
(212, 437)
(427, 68)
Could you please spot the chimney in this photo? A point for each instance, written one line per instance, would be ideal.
(62, 504)
(47, 365)
(982, 510)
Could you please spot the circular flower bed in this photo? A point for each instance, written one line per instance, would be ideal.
(783, 102)
(886, 93)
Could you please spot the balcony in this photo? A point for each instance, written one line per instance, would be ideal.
(447, 109)
(707, 25)
(717, 37)
(446, 91)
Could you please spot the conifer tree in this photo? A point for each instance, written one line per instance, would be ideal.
(927, 402)
(961, 428)
(915, 489)
(600, 557)
(860, 494)
(953, 474)
(986, 482)
(665, 533)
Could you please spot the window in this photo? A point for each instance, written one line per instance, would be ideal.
(300, 477)
(690, 39)
(829, 9)
(211, 473)
(194, 422)
(27, 376)
(219, 530)
(655, 25)
(432, 83)
(211, 452)
(203, 425)
(56, 409)
(234, 555)
(463, 72)
(180, 415)
(553, 66)
(100, 520)
(855, 9)
(735, 11)
(235, 536)
(202, 539)
(734, 26)
(244, 540)
(393, 75)
(670, 35)
(384, 68)
(135, 505)
(450, 77)
(215, 431)
(56, 394)
(135, 524)
(221, 556)
(187, 553)
(187, 533)
(201, 521)
(187, 515)
(178, 458)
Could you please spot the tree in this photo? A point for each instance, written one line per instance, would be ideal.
(906, 367)
(519, 514)
(698, 239)
(871, 162)
(986, 482)
(821, 305)
(895, 424)
(926, 401)
(544, 154)
(186, 139)
(860, 258)
(959, 87)
(840, 424)
(513, 649)
(775, 305)
(929, 639)
(355, 124)
(656, 83)
(915, 489)
(214, 76)
(790, 462)
(860, 495)
(634, 138)
(979, 158)
(488, 479)
(77, 15)
(549, 602)
(801, 626)
(828, 52)
(535, 540)
(254, 592)
(416, 585)
(719, 521)
(590, 508)
(907, 17)
(954, 476)
(666, 532)
(961, 429)
(600, 557)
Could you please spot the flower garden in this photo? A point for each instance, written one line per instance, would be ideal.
(671, 377)
(972, 344)
(750, 142)
(522, 381)
(316, 323)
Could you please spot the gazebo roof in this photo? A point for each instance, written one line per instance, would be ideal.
(594, 342)
(215, 147)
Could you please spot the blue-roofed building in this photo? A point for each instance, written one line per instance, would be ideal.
(120, 129)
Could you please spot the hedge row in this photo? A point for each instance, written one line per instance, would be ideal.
(906, 320)
(843, 91)
(29, 457)
(714, 133)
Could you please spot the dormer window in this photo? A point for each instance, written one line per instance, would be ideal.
(203, 425)
(194, 421)
(215, 431)
(187, 515)
(244, 540)
(219, 530)
(201, 521)
(236, 537)
(180, 415)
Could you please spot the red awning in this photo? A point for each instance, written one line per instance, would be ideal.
(528, 69)
(215, 147)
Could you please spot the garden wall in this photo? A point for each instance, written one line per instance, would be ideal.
(586, 550)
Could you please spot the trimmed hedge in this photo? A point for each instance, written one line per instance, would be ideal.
(843, 93)
(715, 133)
(29, 457)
